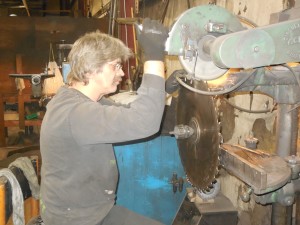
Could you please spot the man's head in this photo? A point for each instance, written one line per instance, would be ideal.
(91, 52)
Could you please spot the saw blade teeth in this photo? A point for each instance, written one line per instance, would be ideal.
(217, 172)
(219, 126)
(188, 180)
(199, 177)
(212, 185)
(207, 190)
(221, 140)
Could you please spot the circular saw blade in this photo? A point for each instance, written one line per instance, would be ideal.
(199, 152)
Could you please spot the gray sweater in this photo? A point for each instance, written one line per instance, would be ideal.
(79, 171)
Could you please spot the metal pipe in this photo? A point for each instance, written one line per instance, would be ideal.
(289, 214)
(114, 17)
(297, 214)
(285, 145)
(294, 152)
(284, 130)
(279, 213)
(110, 18)
(294, 116)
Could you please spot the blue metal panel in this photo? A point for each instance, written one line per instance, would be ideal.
(146, 169)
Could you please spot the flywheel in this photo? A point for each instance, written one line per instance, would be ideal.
(199, 151)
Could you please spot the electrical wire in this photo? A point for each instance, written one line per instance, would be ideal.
(293, 72)
(247, 110)
(298, 82)
(216, 92)
(269, 110)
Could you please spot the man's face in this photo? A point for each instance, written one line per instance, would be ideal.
(109, 77)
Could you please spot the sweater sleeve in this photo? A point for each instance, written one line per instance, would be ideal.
(93, 123)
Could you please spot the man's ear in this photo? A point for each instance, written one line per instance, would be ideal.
(93, 74)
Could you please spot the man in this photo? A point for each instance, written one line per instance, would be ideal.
(79, 171)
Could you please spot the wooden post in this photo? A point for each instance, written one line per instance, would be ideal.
(2, 127)
(34, 207)
(2, 201)
(21, 109)
(34, 202)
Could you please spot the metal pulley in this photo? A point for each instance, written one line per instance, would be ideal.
(193, 34)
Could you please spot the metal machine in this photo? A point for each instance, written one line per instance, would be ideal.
(35, 80)
(214, 45)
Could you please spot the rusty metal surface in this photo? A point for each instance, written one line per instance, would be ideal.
(262, 171)
(199, 153)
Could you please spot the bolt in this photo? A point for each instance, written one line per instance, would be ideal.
(291, 159)
(182, 131)
(289, 200)
(245, 194)
(256, 49)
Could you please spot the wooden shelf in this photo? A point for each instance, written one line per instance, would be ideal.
(15, 123)
(20, 99)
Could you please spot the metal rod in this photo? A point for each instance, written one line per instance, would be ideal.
(285, 146)
(294, 152)
(284, 130)
(278, 214)
(297, 214)
(114, 17)
(295, 120)
(110, 18)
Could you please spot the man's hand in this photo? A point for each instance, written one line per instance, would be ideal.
(152, 39)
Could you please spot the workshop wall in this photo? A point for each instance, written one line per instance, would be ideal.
(25, 49)
(31, 37)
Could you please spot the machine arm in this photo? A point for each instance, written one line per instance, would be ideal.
(264, 46)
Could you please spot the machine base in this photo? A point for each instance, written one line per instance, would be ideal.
(212, 212)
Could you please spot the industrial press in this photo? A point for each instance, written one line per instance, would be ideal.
(223, 54)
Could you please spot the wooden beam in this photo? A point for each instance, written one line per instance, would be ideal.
(26, 7)
(2, 125)
(2, 201)
(72, 3)
(104, 9)
(127, 20)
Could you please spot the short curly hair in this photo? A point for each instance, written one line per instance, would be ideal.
(91, 51)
